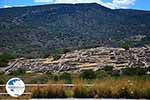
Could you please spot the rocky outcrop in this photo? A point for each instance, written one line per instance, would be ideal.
(94, 58)
(38, 65)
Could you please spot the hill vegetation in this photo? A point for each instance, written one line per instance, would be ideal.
(39, 30)
(5, 58)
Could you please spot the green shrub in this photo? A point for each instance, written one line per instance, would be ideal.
(18, 72)
(3, 79)
(57, 53)
(88, 74)
(101, 74)
(134, 71)
(108, 69)
(126, 46)
(56, 77)
(39, 79)
(66, 77)
(5, 58)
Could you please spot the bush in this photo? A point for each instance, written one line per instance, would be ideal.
(88, 74)
(126, 46)
(3, 79)
(66, 77)
(134, 71)
(57, 53)
(5, 58)
(18, 72)
(56, 77)
(39, 79)
(101, 74)
(108, 69)
(116, 73)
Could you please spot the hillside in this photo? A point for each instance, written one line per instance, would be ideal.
(38, 30)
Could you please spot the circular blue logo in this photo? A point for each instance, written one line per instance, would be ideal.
(15, 87)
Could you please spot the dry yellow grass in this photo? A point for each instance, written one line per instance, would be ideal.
(49, 91)
(122, 88)
(107, 88)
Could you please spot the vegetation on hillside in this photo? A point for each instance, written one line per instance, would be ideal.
(5, 58)
(38, 31)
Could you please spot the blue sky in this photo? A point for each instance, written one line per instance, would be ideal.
(114, 4)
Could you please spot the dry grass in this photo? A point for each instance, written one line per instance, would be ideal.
(49, 91)
(107, 88)
(81, 91)
(122, 88)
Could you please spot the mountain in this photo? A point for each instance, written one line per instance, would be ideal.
(37, 30)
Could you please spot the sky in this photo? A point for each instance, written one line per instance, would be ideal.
(113, 4)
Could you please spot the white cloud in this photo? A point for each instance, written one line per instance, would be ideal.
(7, 6)
(113, 4)
(76, 1)
(43, 0)
(122, 3)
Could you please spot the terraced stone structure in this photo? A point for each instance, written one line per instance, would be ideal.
(85, 59)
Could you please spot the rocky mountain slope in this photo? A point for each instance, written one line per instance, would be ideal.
(38, 30)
